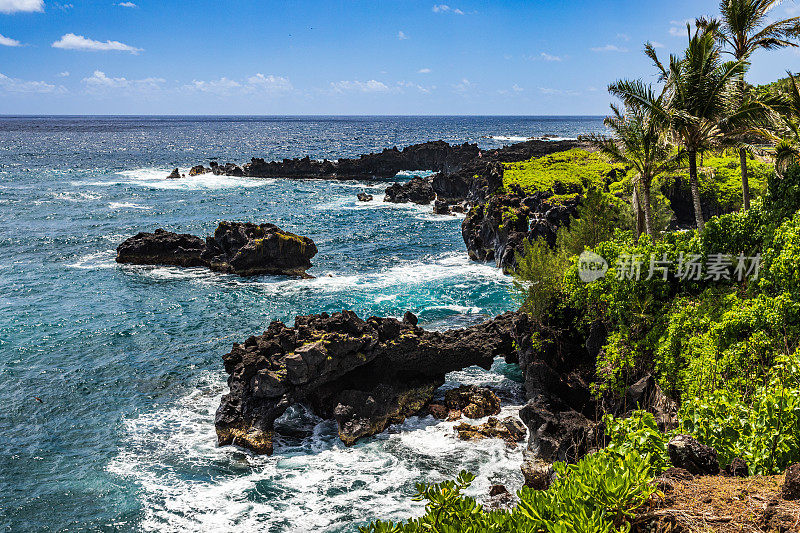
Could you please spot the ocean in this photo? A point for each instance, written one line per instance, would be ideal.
(110, 375)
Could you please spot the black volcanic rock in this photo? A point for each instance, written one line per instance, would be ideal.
(437, 156)
(236, 247)
(198, 169)
(256, 249)
(162, 248)
(365, 374)
(699, 459)
(416, 190)
(364, 197)
(175, 174)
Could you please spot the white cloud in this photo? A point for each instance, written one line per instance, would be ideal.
(550, 91)
(609, 48)
(548, 57)
(21, 6)
(15, 85)
(63, 74)
(464, 86)
(424, 71)
(271, 84)
(99, 83)
(656, 44)
(678, 27)
(402, 36)
(444, 8)
(371, 86)
(222, 86)
(127, 4)
(8, 41)
(416, 86)
(516, 88)
(70, 41)
(623, 37)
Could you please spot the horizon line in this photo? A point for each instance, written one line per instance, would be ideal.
(8, 115)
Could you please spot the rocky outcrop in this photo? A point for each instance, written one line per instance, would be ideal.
(175, 174)
(198, 169)
(162, 248)
(685, 452)
(437, 156)
(416, 190)
(364, 197)
(790, 490)
(236, 247)
(497, 230)
(365, 374)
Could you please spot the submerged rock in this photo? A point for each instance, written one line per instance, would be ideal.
(510, 429)
(364, 197)
(236, 247)
(416, 190)
(365, 374)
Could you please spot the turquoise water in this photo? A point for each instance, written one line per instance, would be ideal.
(126, 360)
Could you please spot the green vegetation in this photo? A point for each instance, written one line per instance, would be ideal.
(565, 174)
(598, 494)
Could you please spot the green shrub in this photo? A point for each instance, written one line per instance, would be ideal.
(598, 494)
(598, 217)
(782, 260)
(563, 173)
(764, 431)
(638, 435)
(538, 279)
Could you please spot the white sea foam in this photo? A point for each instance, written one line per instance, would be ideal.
(510, 138)
(69, 196)
(127, 205)
(156, 178)
(96, 260)
(310, 484)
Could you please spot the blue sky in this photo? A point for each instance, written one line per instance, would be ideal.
(336, 57)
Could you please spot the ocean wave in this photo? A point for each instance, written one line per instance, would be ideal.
(519, 138)
(127, 205)
(156, 178)
(310, 484)
(95, 260)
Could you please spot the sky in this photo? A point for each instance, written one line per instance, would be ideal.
(369, 57)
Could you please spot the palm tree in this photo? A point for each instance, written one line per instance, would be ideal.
(696, 101)
(639, 142)
(787, 150)
(742, 30)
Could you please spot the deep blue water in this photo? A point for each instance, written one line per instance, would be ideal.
(126, 360)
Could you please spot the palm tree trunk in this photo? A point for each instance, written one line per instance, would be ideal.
(648, 218)
(745, 183)
(637, 211)
(743, 153)
(695, 184)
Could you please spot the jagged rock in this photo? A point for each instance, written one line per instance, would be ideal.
(410, 318)
(364, 197)
(499, 497)
(438, 410)
(790, 490)
(699, 459)
(441, 207)
(437, 156)
(256, 249)
(416, 190)
(162, 248)
(645, 394)
(228, 169)
(737, 468)
(175, 174)
(510, 429)
(366, 374)
(472, 401)
(538, 474)
(236, 247)
(198, 169)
